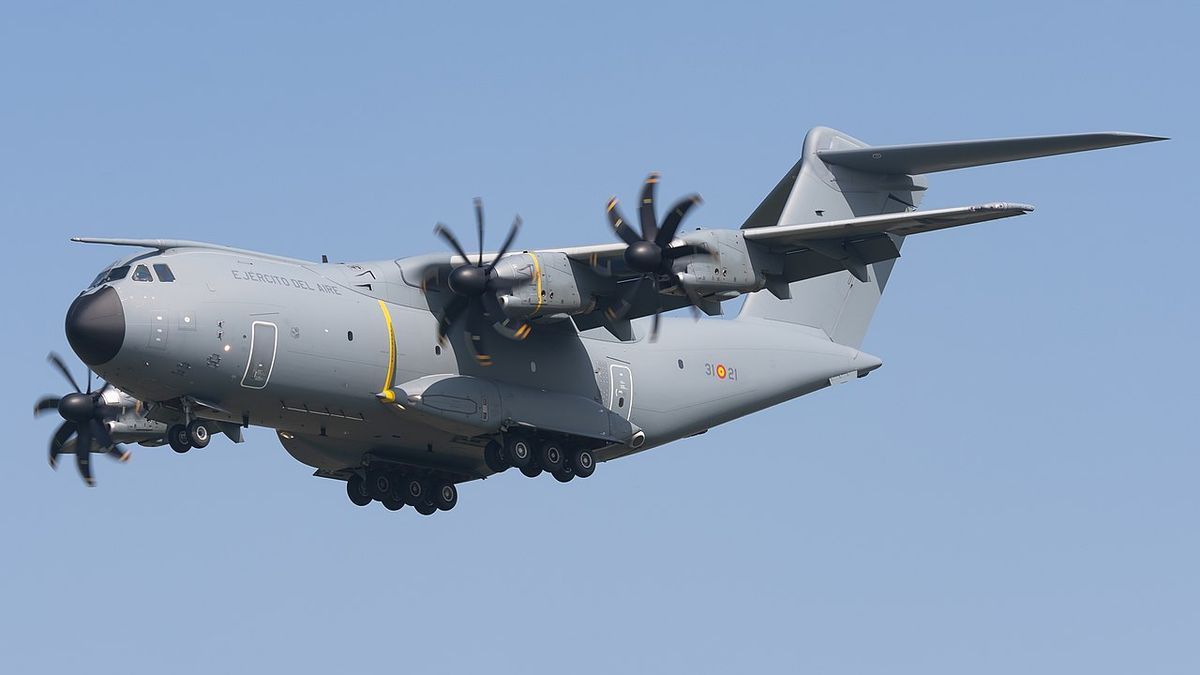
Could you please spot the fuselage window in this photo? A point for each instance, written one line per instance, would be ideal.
(164, 273)
(142, 273)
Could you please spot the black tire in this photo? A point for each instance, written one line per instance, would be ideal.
(564, 476)
(379, 485)
(198, 433)
(583, 462)
(445, 496)
(179, 439)
(493, 456)
(415, 491)
(356, 490)
(426, 509)
(518, 450)
(393, 504)
(551, 456)
(531, 471)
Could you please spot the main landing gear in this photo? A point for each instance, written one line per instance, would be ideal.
(195, 434)
(396, 488)
(532, 456)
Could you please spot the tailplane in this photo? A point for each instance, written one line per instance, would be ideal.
(839, 177)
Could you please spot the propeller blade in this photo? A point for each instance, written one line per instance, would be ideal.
(674, 218)
(101, 435)
(684, 250)
(445, 233)
(513, 329)
(47, 403)
(625, 303)
(646, 210)
(512, 234)
(59, 440)
(625, 232)
(694, 298)
(450, 314)
(119, 453)
(657, 311)
(83, 453)
(89, 381)
(62, 368)
(474, 337)
(479, 227)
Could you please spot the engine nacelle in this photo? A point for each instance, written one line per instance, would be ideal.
(540, 284)
(729, 272)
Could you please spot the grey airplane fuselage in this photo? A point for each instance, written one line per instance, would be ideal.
(328, 338)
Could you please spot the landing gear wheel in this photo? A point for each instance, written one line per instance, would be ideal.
(415, 492)
(425, 509)
(393, 504)
(379, 485)
(445, 496)
(564, 476)
(356, 489)
(518, 450)
(583, 462)
(198, 433)
(550, 456)
(179, 438)
(531, 471)
(493, 456)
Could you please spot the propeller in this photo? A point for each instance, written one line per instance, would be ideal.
(83, 417)
(652, 254)
(474, 287)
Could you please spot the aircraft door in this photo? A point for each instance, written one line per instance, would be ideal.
(264, 340)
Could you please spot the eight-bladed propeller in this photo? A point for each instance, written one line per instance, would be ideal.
(652, 253)
(83, 416)
(474, 287)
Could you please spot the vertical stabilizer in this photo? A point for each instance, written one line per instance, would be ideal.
(813, 191)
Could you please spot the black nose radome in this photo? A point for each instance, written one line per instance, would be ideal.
(96, 326)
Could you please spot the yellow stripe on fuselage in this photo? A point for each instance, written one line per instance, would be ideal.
(391, 367)
(537, 275)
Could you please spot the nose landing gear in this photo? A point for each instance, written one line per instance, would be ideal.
(195, 434)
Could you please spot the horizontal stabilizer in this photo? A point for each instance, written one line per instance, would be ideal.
(931, 157)
(905, 223)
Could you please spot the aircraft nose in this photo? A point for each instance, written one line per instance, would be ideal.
(96, 326)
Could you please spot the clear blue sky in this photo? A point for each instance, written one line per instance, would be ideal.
(1014, 491)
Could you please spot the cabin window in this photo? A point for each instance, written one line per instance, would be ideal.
(142, 273)
(164, 272)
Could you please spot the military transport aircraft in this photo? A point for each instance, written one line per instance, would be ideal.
(405, 378)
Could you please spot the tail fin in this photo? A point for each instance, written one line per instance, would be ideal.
(841, 177)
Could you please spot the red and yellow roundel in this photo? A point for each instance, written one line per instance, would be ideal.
(721, 372)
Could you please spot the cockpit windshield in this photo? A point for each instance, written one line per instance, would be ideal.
(114, 274)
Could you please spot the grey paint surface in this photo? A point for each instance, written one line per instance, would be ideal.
(356, 373)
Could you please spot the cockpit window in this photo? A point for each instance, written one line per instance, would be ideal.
(164, 272)
(115, 274)
(142, 273)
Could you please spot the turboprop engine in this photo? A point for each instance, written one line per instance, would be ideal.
(542, 284)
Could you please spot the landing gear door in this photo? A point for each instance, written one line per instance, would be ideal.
(620, 388)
